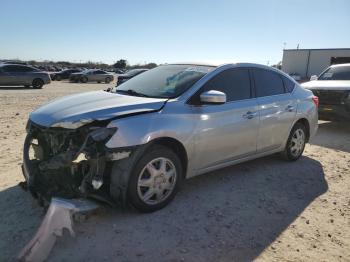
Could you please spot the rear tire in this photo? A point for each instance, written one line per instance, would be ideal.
(296, 143)
(107, 80)
(160, 187)
(37, 83)
(84, 79)
(58, 78)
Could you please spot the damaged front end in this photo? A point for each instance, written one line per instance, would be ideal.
(68, 163)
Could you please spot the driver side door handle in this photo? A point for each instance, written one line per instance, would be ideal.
(290, 108)
(249, 115)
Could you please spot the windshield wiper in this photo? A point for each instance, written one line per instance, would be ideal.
(131, 92)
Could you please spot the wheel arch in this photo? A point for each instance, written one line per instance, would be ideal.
(176, 146)
(305, 123)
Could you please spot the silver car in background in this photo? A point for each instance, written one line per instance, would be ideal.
(22, 75)
(92, 75)
(139, 141)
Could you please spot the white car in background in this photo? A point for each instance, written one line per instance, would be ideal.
(333, 90)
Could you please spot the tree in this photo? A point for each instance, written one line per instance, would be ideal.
(120, 64)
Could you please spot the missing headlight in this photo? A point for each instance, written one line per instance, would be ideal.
(102, 133)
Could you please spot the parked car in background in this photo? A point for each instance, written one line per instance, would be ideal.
(119, 71)
(296, 76)
(64, 74)
(173, 122)
(18, 75)
(13, 62)
(92, 75)
(129, 74)
(333, 89)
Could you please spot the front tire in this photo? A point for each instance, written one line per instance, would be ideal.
(296, 143)
(155, 179)
(37, 83)
(107, 80)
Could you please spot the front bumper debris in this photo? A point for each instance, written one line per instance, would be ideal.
(60, 215)
(67, 163)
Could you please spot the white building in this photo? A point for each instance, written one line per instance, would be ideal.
(308, 62)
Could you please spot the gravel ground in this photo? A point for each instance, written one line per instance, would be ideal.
(264, 210)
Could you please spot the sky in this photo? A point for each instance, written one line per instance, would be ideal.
(163, 31)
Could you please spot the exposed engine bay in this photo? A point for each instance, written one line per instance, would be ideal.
(68, 163)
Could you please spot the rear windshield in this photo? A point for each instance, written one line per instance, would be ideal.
(336, 73)
(166, 81)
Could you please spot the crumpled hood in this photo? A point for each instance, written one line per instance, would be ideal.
(96, 105)
(327, 85)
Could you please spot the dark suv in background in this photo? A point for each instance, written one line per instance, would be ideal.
(64, 74)
(130, 74)
(22, 75)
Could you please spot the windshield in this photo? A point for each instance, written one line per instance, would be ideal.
(336, 73)
(167, 81)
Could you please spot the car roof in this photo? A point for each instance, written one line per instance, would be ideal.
(341, 65)
(2, 65)
(225, 64)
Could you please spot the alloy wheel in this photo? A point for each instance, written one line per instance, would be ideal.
(297, 142)
(156, 181)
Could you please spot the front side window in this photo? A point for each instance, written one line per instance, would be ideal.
(235, 83)
(168, 81)
(17, 68)
(267, 83)
(11, 69)
(336, 73)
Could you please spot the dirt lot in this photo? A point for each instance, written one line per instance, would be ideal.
(266, 209)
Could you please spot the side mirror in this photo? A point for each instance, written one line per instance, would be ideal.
(213, 97)
(313, 77)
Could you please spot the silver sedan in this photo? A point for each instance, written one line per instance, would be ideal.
(92, 75)
(17, 75)
(144, 137)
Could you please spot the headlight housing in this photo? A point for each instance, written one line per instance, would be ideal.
(72, 125)
(102, 133)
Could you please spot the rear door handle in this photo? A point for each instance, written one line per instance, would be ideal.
(290, 108)
(249, 115)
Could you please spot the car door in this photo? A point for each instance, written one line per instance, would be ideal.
(5, 77)
(98, 75)
(228, 131)
(277, 109)
(8, 75)
(25, 74)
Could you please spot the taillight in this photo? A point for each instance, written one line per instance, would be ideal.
(316, 101)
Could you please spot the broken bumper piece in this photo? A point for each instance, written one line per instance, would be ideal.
(59, 216)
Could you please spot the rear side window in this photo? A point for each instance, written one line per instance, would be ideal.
(235, 83)
(26, 69)
(267, 83)
(288, 84)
